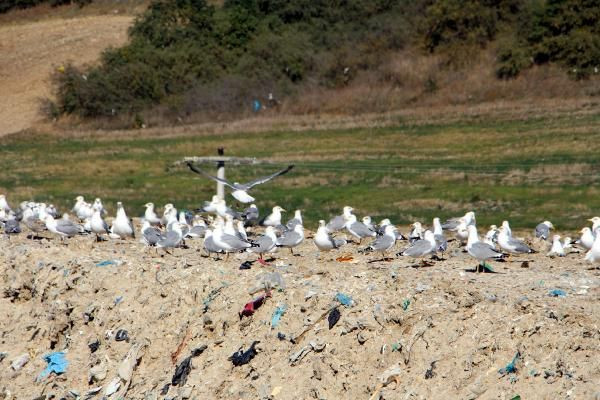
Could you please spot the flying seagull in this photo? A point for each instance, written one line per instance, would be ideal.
(240, 190)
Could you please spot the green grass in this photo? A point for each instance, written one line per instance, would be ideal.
(522, 170)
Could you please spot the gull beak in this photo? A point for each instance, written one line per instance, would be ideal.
(283, 210)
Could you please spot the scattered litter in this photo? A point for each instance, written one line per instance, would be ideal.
(92, 392)
(333, 318)
(344, 258)
(421, 287)
(396, 346)
(56, 363)
(185, 367)
(121, 335)
(525, 264)
(268, 281)
(253, 305)
(429, 373)
(390, 375)
(517, 397)
(118, 300)
(94, 345)
(296, 357)
(344, 299)
(242, 357)
(246, 265)
(106, 263)
(19, 362)
(405, 304)
(277, 314)
(510, 368)
(113, 386)
(3, 355)
(557, 293)
(212, 295)
(309, 294)
(281, 336)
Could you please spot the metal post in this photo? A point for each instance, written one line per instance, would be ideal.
(221, 174)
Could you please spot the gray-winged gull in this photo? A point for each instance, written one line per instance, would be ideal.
(273, 219)
(297, 220)
(98, 225)
(557, 247)
(480, 250)
(358, 229)
(384, 242)
(542, 230)
(324, 241)
(62, 227)
(421, 248)
(338, 222)
(264, 244)
(240, 190)
(510, 244)
(150, 214)
(291, 239)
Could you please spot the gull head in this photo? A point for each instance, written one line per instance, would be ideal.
(385, 222)
(79, 199)
(366, 220)
(585, 230)
(556, 237)
(321, 223)
(277, 208)
(549, 224)
(594, 220)
(149, 205)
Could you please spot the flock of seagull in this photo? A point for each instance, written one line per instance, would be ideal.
(225, 231)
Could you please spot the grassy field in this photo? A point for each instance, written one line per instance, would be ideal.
(524, 170)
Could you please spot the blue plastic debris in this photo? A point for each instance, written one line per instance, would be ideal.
(106, 263)
(277, 314)
(344, 299)
(557, 293)
(510, 367)
(405, 304)
(56, 363)
(118, 300)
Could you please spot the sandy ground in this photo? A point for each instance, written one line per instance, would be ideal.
(412, 333)
(30, 51)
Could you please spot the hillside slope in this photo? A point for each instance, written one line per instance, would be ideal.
(31, 50)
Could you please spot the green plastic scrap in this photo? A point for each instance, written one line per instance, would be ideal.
(405, 304)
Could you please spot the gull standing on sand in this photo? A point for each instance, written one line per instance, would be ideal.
(297, 220)
(587, 238)
(338, 223)
(250, 215)
(542, 230)
(480, 250)
(273, 219)
(384, 223)
(368, 223)
(510, 244)
(226, 242)
(240, 190)
(416, 233)
(593, 255)
(385, 242)
(422, 247)
(438, 234)
(4, 204)
(358, 229)
(453, 223)
(291, 239)
(97, 224)
(209, 244)
(264, 244)
(324, 241)
(150, 215)
(557, 247)
(172, 238)
(198, 229)
(62, 227)
(122, 226)
(150, 234)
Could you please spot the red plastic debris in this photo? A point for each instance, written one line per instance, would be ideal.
(252, 306)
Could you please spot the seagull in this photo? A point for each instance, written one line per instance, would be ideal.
(122, 226)
(273, 219)
(97, 224)
(587, 238)
(339, 222)
(557, 247)
(384, 242)
(595, 223)
(34, 224)
(510, 244)
(62, 227)
(491, 237)
(240, 190)
(250, 215)
(4, 204)
(452, 223)
(297, 220)
(264, 244)
(228, 243)
(506, 227)
(169, 214)
(11, 226)
(385, 222)
(416, 233)
(198, 230)
(462, 233)
(291, 239)
(150, 215)
(480, 250)
(542, 230)
(172, 238)
(98, 204)
(358, 229)
(593, 255)
(368, 222)
(209, 244)
(324, 241)
(150, 234)
(440, 240)
(421, 247)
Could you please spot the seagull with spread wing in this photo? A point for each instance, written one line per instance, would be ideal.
(240, 190)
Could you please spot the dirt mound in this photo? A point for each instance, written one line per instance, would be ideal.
(30, 51)
(435, 332)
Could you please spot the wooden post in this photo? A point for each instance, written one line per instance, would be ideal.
(221, 174)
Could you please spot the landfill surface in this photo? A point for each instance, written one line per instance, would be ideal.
(140, 323)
